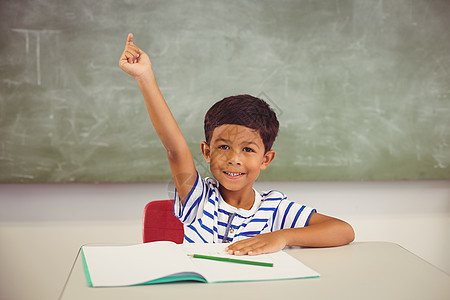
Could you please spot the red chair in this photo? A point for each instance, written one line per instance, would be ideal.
(160, 224)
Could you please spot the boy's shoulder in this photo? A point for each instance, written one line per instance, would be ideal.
(211, 182)
(272, 195)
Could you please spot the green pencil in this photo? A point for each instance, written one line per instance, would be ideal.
(232, 260)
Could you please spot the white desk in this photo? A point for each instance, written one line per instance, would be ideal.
(372, 270)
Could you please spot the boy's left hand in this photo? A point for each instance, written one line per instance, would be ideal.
(259, 244)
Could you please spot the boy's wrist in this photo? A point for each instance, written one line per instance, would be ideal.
(145, 76)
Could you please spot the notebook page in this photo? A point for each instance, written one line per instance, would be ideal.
(135, 264)
(285, 266)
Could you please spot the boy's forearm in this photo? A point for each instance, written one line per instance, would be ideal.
(326, 234)
(160, 114)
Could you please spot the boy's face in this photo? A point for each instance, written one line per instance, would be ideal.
(236, 156)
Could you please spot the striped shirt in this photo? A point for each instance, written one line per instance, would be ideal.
(207, 218)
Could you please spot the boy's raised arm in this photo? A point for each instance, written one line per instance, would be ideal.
(136, 62)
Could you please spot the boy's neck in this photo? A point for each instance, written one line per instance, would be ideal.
(239, 199)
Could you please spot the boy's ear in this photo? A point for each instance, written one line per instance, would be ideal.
(267, 159)
(206, 152)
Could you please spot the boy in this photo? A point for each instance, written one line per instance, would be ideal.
(239, 134)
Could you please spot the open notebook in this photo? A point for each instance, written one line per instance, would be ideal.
(158, 262)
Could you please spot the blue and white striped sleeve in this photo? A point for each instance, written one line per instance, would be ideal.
(193, 206)
(292, 215)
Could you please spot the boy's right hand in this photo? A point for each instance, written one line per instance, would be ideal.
(134, 61)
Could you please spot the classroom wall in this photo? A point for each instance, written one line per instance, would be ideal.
(43, 225)
(360, 87)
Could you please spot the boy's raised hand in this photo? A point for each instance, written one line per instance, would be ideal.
(134, 61)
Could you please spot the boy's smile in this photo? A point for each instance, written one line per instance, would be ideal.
(236, 155)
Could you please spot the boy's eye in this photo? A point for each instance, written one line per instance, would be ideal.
(247, 149)
(224, 147)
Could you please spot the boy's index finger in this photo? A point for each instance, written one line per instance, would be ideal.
(130, 39)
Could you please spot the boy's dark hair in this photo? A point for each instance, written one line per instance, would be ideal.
(243, 110)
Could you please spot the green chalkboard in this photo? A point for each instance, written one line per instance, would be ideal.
(362, 88)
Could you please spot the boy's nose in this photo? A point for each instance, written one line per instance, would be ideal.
(233, 158)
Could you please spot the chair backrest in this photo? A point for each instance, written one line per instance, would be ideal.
(160, 224)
